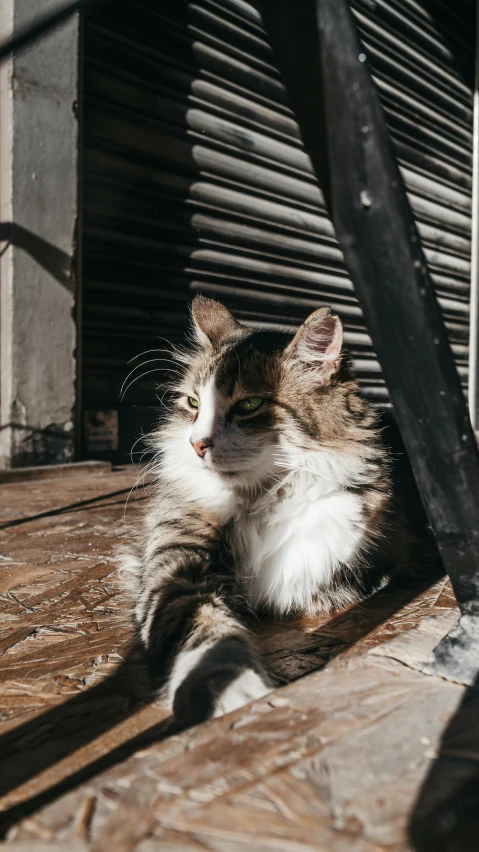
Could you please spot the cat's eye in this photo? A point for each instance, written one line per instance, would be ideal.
(252, 403)
(193, 403)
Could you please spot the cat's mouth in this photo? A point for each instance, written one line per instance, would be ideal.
(223, 471)
(223, 468)
(253, 466)
(215, 467)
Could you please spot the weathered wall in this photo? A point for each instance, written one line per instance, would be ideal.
(38, 205)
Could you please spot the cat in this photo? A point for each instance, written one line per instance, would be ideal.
(272, 493)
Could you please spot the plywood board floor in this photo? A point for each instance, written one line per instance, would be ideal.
(356, 750)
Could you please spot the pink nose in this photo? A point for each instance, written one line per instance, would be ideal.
(201, 446)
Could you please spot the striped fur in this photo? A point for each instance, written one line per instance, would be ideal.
(287, 508)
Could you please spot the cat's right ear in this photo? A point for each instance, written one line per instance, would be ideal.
(212, 322)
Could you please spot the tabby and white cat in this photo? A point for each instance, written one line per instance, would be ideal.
(272, 492)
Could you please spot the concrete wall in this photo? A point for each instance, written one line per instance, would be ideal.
(38, 210)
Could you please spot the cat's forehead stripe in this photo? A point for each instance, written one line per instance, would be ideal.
(242, 365)
(248, 365)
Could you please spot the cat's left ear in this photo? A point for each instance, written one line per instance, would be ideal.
(318, 343)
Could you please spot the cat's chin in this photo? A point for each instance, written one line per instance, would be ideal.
(247, 477)
(246, 474)
(222, 472)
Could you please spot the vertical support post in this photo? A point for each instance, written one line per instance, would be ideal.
(6, 250)
(78, 259)
(382, 250)
(38, 202)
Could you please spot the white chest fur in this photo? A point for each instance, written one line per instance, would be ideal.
(291, 543)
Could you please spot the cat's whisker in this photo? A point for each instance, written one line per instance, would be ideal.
(143, 364)
(181, 353)
(138, 378)
(148, 352)
(132, 489)
(161, 398)
(140, 438)
(141, 476)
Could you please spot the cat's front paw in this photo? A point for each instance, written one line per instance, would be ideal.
(249, 686)
(226, 678)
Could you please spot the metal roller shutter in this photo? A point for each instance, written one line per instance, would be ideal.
(422, 56)
(195, 178)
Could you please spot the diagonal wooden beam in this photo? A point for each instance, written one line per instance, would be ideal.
(318, 42)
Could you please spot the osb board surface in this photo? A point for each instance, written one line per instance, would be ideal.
(334, 760)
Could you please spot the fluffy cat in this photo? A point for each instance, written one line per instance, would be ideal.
(272, 492)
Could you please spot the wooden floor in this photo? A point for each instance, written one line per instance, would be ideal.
(356, 743)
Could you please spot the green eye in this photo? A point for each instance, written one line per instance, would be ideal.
(246, 406)
(192, 402)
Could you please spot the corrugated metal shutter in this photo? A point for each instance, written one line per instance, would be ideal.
(422, 57)
(195, 178)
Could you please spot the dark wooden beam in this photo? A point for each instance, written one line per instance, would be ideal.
(383, 253)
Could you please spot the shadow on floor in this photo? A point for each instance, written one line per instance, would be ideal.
(92, 502)
(42, 742)
(446, 814)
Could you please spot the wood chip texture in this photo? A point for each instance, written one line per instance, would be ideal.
(346, 754)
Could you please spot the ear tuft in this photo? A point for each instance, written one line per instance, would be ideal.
(318, 342)
(213, 322)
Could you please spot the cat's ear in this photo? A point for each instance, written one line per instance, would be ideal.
(213, 323)
(318, 343)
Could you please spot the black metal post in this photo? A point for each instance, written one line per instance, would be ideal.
(382, 250)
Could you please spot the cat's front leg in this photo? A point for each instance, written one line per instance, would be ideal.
(192, 623)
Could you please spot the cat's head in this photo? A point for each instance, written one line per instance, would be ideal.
(250, 401)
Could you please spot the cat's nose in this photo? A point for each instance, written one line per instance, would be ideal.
(201, 446)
